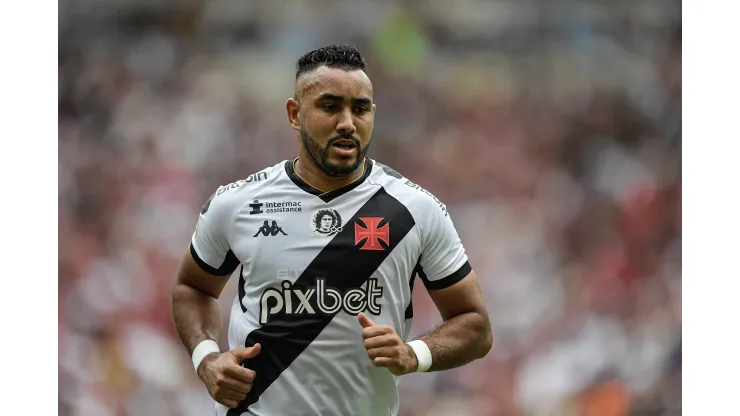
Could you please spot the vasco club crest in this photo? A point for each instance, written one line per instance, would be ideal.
(326, 222)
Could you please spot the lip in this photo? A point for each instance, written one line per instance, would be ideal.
(349, 143)
(344, 151)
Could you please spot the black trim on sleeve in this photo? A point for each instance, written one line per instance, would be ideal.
(409, 313)
(227, 267)
(242, 289)
(448, 281)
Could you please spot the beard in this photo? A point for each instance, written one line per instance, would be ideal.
(320, 155)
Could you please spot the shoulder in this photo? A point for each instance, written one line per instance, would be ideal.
(230, 197)
(415, 197)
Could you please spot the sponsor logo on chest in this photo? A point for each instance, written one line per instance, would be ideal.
(319, 299)
(272, 207)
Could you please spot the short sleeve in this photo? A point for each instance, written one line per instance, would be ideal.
(210, 245)
(443, 260)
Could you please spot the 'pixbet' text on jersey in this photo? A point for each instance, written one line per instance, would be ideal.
(319, 300)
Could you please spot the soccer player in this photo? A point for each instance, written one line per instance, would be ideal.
(327, 246)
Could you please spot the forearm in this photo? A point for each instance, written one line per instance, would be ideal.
(459, 340)
(197, 316)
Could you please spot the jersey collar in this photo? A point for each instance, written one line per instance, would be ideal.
(326, 196)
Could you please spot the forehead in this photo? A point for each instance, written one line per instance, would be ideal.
(335, 81)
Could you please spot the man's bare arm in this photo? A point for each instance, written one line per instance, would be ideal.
(465, 335)
(197, 316)
(195, 305)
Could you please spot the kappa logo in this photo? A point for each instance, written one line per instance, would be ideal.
(371, 234)
(271, 230)
(326, 222)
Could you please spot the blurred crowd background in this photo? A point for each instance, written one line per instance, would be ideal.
(550, 128)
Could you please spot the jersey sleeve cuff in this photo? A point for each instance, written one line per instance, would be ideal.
(228, 266)
(447, 281)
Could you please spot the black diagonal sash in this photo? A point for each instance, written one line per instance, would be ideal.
(343, 266)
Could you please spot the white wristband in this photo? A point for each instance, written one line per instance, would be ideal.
(204, 348)
(423, 354)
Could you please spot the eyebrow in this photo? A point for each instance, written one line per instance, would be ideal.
(338, 98)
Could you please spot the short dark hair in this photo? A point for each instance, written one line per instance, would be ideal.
(345, 57)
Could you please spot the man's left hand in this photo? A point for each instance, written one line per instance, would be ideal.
(386, 349)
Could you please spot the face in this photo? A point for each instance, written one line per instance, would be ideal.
(326, 222)
(334, 114)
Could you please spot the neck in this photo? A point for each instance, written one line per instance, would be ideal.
(307, 170)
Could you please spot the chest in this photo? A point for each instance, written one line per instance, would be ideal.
(284, 233)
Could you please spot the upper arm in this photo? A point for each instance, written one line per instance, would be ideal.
(443, 260)
(444, 267)
(462, 297)
(209, 262)
(193, 275)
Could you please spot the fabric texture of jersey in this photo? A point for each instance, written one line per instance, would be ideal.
(308, 263)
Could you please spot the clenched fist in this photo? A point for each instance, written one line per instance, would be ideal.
(225, 378)
(386, 349)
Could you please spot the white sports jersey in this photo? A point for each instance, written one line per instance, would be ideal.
(310, 262)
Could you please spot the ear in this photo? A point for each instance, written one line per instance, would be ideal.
(291, 107)
(374, 109)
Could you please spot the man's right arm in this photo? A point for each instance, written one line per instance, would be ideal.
(195, 304)
(197, 316)
(203, 273)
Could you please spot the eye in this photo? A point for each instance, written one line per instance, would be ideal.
(361, 110)
(330, 107)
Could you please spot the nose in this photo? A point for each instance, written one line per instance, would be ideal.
(345, 124)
